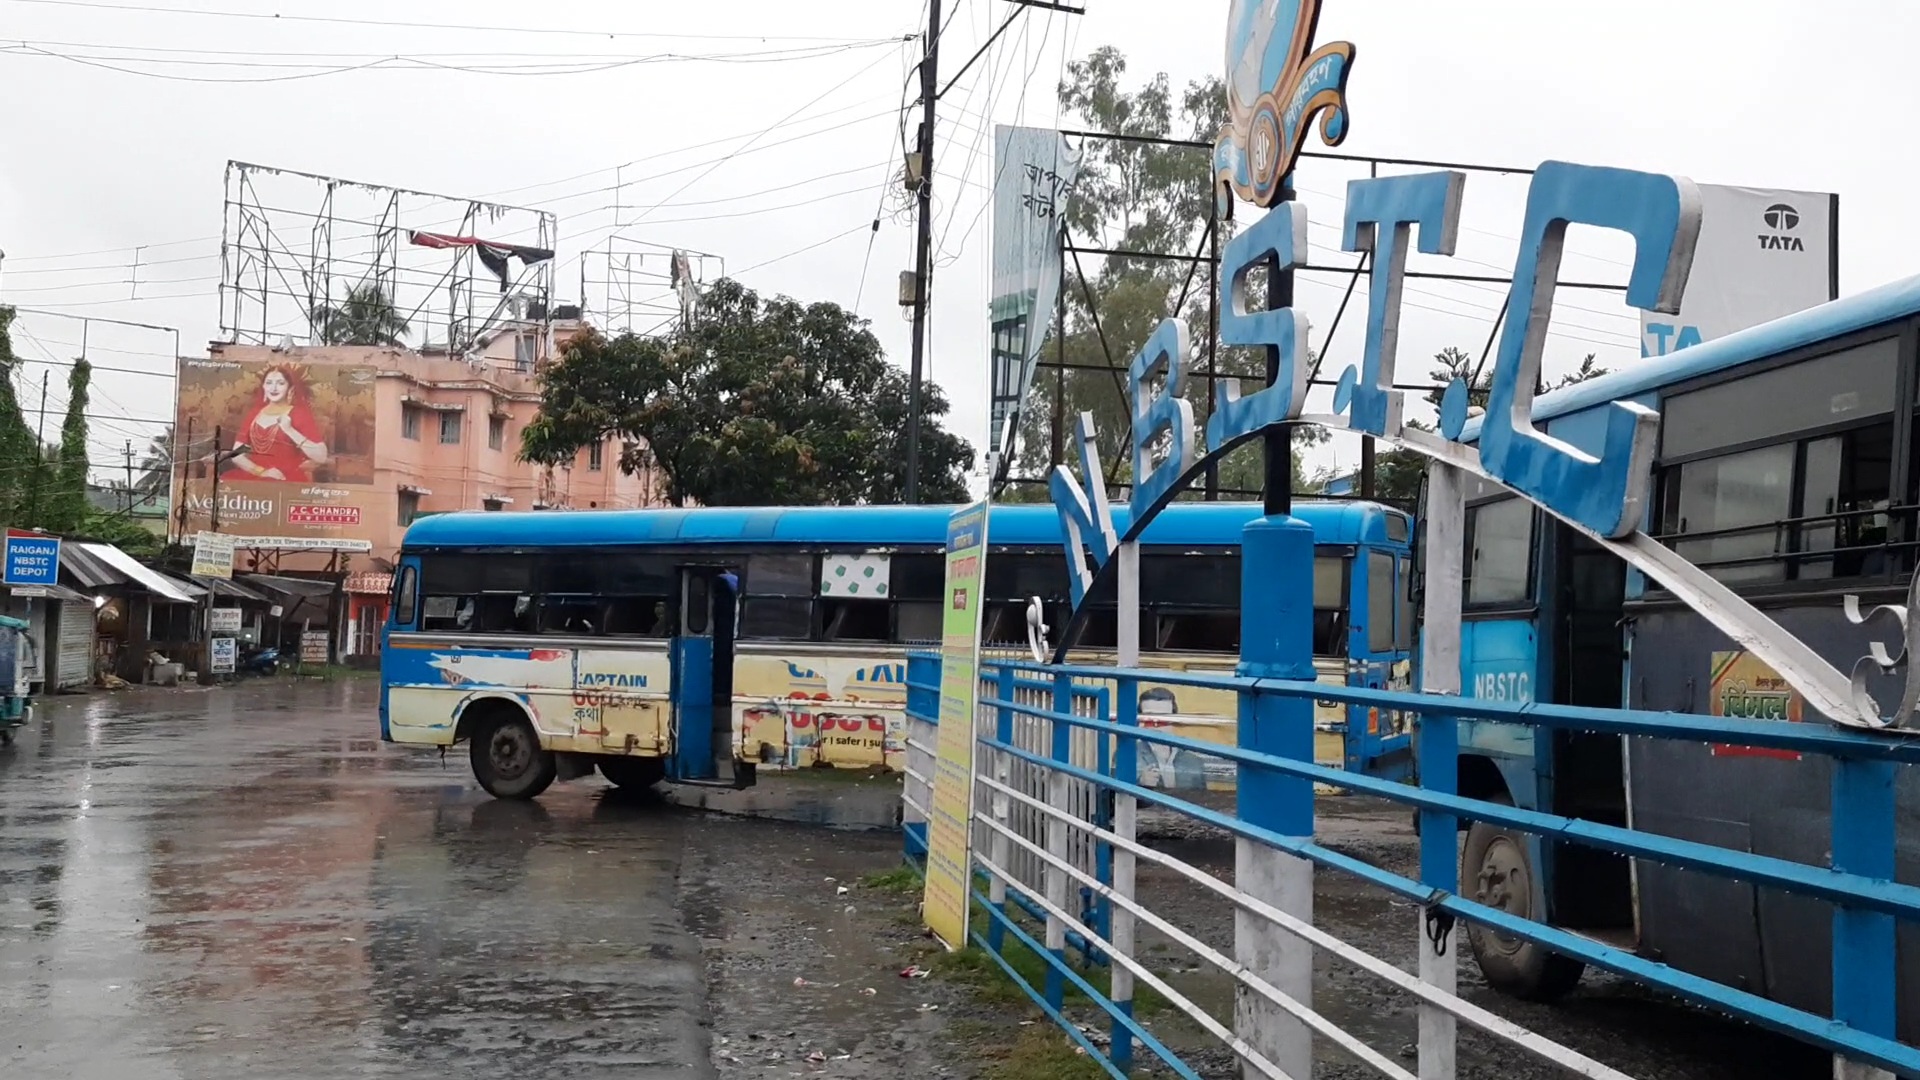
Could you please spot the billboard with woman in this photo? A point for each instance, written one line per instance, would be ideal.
(284, 446)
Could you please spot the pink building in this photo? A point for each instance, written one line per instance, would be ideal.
(310, 444)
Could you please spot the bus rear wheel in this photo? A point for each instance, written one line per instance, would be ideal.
(633, 773)
(508, 759)
(1496, 870)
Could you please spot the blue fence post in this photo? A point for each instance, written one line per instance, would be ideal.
(1126, 769)
(1002, 771)
(1276, 642)
(1060, 751)
(1863, 941)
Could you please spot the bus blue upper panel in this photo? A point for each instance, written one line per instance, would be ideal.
(1018, 525)
(1896, 300)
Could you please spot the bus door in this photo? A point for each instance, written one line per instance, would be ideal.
(1378, 653)
(702, 693)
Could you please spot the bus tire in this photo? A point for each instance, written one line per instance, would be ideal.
(1496, 870)
(633, 773)
(508, 759)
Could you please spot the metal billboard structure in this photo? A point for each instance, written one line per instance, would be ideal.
(302, 254)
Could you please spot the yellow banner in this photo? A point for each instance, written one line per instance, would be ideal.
(949, 862)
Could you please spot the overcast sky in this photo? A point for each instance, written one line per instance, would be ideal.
(100, 161)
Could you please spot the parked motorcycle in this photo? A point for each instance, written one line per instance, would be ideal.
(260, 660)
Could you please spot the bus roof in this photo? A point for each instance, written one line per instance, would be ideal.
(1895, 300)
(1333, 522)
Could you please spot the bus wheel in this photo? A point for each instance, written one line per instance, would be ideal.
(633, 773)
(1496, 871)
(508, 760)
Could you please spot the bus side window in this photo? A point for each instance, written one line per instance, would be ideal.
(1403, 623)
(1499, 552)
(597, 594)
(1192, 602)
(1014, 577)
(779, 597)
(1329, 605)
(855, 596)
(916, 584)
(405, 604)
(1380, 603)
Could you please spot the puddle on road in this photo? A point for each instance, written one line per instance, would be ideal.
(836, 802)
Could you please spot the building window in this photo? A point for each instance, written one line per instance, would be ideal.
(450, 428)
(525, 348)
(409, 422)
(496, 432)
(409, 507)
(595, 453)
(492, 505)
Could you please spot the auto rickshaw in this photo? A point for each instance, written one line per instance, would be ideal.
(16, 677)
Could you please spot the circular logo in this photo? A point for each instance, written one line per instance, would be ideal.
(1781, 216)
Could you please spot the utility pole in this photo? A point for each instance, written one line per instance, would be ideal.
(923, 245)
(1279, 442)
(214, 509)
(129, 453)
(183, 461)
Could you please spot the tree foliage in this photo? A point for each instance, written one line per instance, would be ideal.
(1136, 197)
(756, 403)
(366, 317)
(67, 506)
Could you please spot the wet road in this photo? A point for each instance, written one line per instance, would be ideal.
(247, 883)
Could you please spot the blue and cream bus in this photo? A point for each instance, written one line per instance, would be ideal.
(1789, 468)
(700, 645)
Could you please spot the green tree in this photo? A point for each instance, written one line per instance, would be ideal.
(366, 317)
(20, 454)
(153, 472)
(67, 507)
(1137, 197)
(755, 403)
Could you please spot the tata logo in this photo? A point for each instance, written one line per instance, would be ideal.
(1782, 219)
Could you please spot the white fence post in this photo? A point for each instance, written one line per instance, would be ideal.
(1444, 539)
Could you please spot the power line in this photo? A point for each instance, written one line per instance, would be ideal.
(402, 63)
(276, 17)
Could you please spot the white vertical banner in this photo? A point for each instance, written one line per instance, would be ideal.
(1763, 253)
(1034, 170)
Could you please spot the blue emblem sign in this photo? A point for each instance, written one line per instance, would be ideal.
(1274, 90)
(32, 558)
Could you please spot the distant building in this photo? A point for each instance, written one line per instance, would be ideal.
(323, 455)
(145, 509)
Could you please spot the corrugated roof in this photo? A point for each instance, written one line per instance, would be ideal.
(89, 570)
(233, 589)
(131, 569)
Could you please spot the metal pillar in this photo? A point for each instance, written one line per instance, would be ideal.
(1276, 642)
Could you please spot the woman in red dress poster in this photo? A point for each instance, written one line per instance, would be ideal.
(282, 440)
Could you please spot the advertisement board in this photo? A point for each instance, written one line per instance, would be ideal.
(313, 646)
(223, 620)
(212, 555)
(1763, 253)
(949, 877)
(1745, 687)
(1034, 172)
(225, 653)
(287, 447)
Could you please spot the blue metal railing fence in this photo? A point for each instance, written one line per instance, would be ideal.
(1064, 707)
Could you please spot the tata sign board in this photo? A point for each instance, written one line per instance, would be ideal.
(1763, 253)
(32, 558)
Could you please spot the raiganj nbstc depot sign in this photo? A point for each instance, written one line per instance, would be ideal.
(1278, 86)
